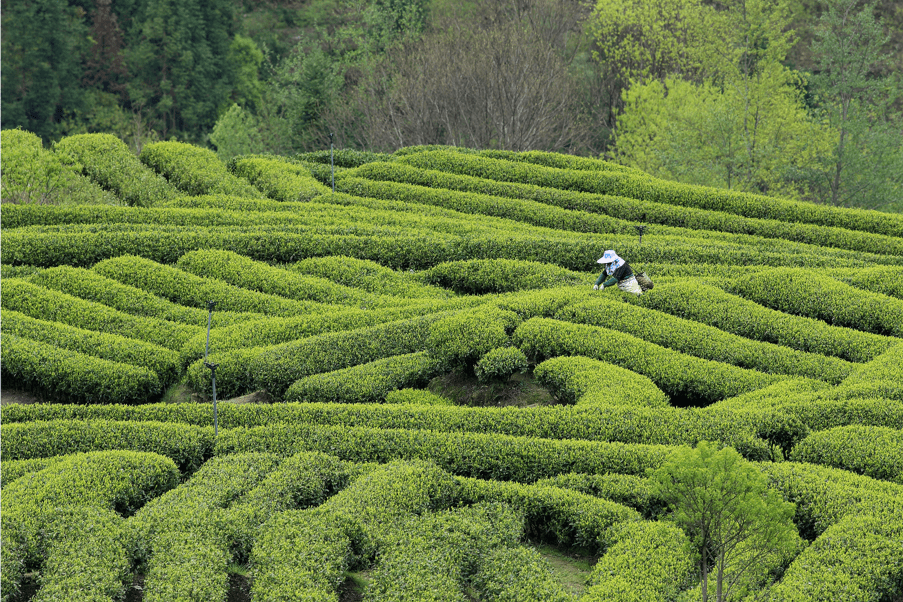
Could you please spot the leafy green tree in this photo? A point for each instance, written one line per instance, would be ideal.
(246, 58)
(724, 505)
(865, 165)
(180, 66)
(236, 133)
(43, 44)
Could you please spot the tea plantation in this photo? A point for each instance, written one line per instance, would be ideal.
(774, 328)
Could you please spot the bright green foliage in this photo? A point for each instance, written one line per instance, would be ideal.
(734, 521)
(417, 397)
(63, 520)
(683, 378)
(461, 339)
(343, 157)
(430, 557)
(108, 161)
(802, 292)
(870, 450)
(886, 280)
(89, 285)
(589, 383)
(856, 559)
(188, 446)
(530, 212)
(35, 176)
(558, 160)
(366, 383)
(236, 133)
(369, 276)
(184, 288)
(73, 376)
(13, 469)
(629, 490)
(500, 363)
(278, 179)
(704, 341)
(301, 555)
(710, 305)
(522, 459)
(45, 304)
(115, 348)
(878, 378)
(246, 273)
(568, 518)
(194, 170)
(518, 573)
(648, 561)
(479, 277)
(179, 534)
(739, 428)
(649, 188)
(635, 209)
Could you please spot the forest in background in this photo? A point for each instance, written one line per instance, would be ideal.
(794, 98)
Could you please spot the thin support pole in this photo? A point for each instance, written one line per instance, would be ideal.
(332, 160)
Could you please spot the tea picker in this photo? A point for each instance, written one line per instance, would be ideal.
(619, 273)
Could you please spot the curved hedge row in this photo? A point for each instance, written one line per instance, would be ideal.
(648, 561)
(874, 451)
(484, 276)
(704, 341)
(91, 286)
(805, 293)
(710, 305)
(194, 170)
(44, 304)
(365, 383)
(188, 446)
(278, 179)
(108, 161)
(639, 209)
(33, 175)
(345, 157)
(369, 276)
(419, 397)
(13, 469)
(115, 348)
(247, 273)
(557, 160)
(502, 457)
(588, 382)
(75, 377)
(643, 186)
(518, 573)
(687, 380)
(666, 426)
(84, 245)
(886, 280)
(184, 288)
(877, 378)
(629, 490)
(858, 558)
(530, 212)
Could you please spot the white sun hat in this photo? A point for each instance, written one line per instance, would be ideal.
(608, 257)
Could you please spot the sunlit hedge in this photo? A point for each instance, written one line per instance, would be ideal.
(194, 170)
(369, 276)
(108, 161)
(874, 451)
(588, 382)
(278, 179)
(483, 276)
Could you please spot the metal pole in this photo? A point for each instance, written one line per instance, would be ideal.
(210, 305)
(331, 160)
(213, 375)
(640, 230)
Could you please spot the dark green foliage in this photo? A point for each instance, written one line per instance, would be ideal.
(461, 339)
(345, 157)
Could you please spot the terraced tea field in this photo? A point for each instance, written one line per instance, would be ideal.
(774, 328)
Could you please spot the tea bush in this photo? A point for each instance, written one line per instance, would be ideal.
(500, 363)
(874, 451)
(194, 170)
(278, 179)
(587, 382)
